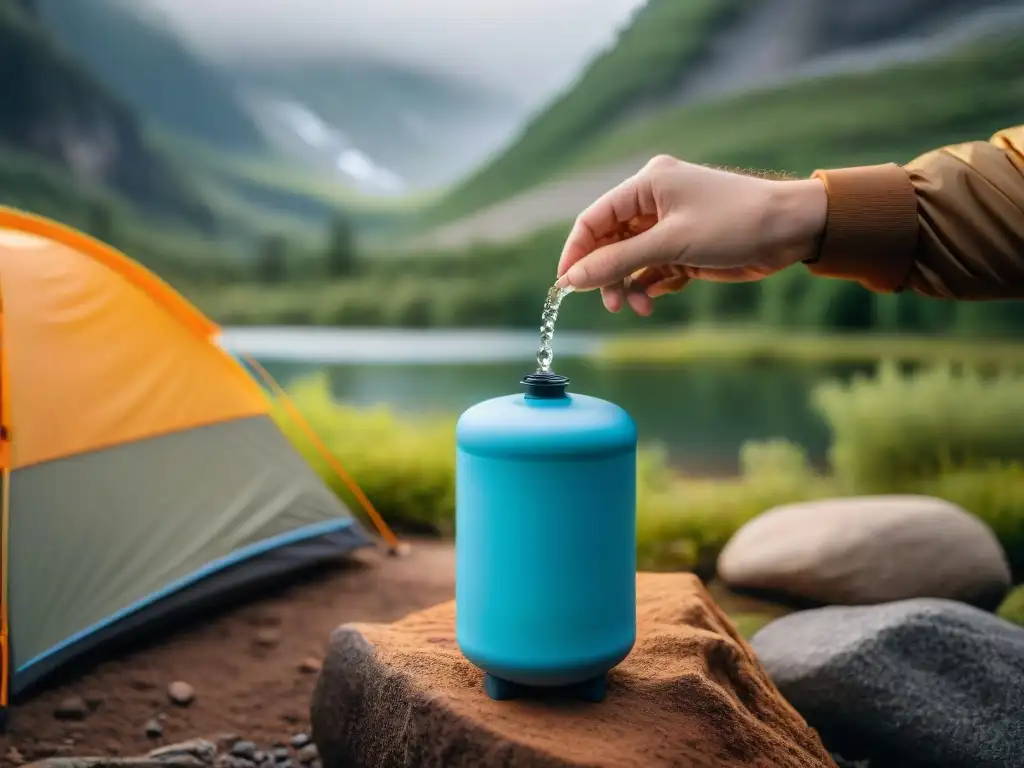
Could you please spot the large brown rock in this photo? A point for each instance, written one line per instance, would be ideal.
(691, 694)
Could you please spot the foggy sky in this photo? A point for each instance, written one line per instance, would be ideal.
(526, 48)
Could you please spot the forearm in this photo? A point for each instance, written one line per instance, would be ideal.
(949, 224)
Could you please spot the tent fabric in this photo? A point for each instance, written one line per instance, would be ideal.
(143, 515)
(25, 230)
(136, 369)
(245, 574)
(143, 473)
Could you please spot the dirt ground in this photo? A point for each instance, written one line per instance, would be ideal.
(252, 666)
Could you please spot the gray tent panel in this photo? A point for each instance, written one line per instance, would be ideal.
(103, 541)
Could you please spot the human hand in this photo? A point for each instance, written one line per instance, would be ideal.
(674, 222)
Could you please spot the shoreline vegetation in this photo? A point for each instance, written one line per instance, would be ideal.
(958, 435)
(668, 347)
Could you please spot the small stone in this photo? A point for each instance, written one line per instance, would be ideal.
(245, 749)
(226, 740)
(267, 637)
(259, 757)
(308, 754)
(230, 761)
(201, 749)
(309, 665)
(181, 693)
(280, 754)
(401, 549)
(154, 728)
(14, 757)
(299, 740)
(286, 763)
(71, 708)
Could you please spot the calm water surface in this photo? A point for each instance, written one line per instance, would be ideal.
(701, 412)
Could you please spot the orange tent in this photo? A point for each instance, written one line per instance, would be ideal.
(142, 472)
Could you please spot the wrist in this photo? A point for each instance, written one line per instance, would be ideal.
(795, 219)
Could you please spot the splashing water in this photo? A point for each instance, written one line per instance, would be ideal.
(547, 326)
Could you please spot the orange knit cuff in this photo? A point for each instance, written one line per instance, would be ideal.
(872, 226)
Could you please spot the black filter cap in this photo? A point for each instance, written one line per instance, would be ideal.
(545, 385)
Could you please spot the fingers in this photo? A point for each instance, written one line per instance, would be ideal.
(625, 292)
(630, 206)
(614, 262)
(727, 274)
(668, 285)
(640, 303)
(613, 297)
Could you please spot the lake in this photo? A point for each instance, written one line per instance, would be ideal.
(701, 412)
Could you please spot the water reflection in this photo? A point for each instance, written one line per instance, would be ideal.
(702, 413)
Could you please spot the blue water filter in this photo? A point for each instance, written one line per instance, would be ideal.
(545, 539)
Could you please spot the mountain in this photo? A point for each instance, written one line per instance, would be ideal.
(66, 142)
(663, 39)
(391, 128)
(153, 70)
(374, 128)
(637, 98)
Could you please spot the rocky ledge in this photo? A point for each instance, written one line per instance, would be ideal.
(691, 693)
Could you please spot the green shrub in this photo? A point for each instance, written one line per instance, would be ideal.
(994, 493)
(404, 465)
(1012, 608)
(924, 433)
(897, 428)
(685, 523)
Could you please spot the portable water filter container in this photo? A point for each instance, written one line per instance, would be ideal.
(546, 539)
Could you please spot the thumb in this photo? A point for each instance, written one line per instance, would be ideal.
(617, 261)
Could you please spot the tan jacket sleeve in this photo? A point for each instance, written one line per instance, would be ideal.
(949, 224)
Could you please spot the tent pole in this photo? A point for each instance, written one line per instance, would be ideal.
(6, 657)
(296, 415)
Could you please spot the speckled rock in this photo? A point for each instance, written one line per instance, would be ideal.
(909, 684)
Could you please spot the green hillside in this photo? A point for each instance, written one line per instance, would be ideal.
(882, 115)
(664, 37)
(888, 115)
(67, 144)
(152, 70)
(193, 118)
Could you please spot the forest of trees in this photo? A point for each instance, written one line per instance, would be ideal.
(503, 285)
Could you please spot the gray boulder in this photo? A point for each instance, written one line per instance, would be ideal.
(914, 683)
(868, 550)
